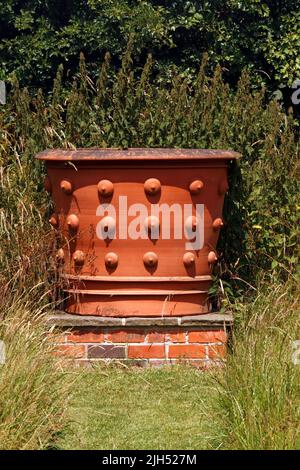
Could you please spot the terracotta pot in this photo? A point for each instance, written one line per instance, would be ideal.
(109, 271)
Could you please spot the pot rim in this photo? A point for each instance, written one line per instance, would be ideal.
(137, 154)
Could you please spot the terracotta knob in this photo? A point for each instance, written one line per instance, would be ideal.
(223, 187)
(78, 258)
(150, 259)
(191, 223)
(152, 224)
(66, 186)
(73, 222)
(217, 224)
(108, 227)
(105, 188)
(47, 184)
(196, 186)
(189, 259)
(60, 255)
(152, 186)
(212, 257)
(54, 220)
(111, 260)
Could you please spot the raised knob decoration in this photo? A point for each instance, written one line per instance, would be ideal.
(54, 220)
(189, 259)
(78, 258)
(196, 186)
(73, 222)
(66, 186)
(60, 255)
(218, 223)
(152, 226)
(152, 186)
(106, 228)
(111, 260)
(212, 257)
(191, 225)
(105, 188)
(150, 259)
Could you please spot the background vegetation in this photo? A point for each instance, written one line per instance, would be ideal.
(262, 36)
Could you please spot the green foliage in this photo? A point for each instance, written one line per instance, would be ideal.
(262, 36)
(129, 109)
(257, 400)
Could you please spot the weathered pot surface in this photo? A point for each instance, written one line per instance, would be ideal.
(137, 228)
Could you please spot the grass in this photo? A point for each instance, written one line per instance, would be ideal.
(34, 392)
(257, 403)
(130, 408)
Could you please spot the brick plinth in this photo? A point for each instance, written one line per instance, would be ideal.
(200, 340)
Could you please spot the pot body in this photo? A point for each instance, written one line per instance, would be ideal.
(137, 228)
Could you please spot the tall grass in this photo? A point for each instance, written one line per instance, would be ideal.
(257, 399)
(34, 392)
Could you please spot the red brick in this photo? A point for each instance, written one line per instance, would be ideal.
(176, 336)
(91, 335)
(217, 351)
(74, 351)
(186, 351)
(156, 337)
(125, 336)
(218, 336)
(146, 351)
(103, 351)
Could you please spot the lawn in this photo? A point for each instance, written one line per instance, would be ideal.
(131, 408)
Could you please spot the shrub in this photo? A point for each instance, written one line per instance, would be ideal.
(262, 36)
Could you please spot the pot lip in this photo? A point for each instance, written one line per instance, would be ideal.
(135, 154)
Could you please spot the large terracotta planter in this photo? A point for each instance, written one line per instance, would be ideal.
(108, 269)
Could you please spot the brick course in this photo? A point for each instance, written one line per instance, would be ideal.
(144, 344)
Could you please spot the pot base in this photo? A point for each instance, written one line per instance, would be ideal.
(138, 297)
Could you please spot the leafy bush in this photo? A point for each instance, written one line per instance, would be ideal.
(260, 35)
